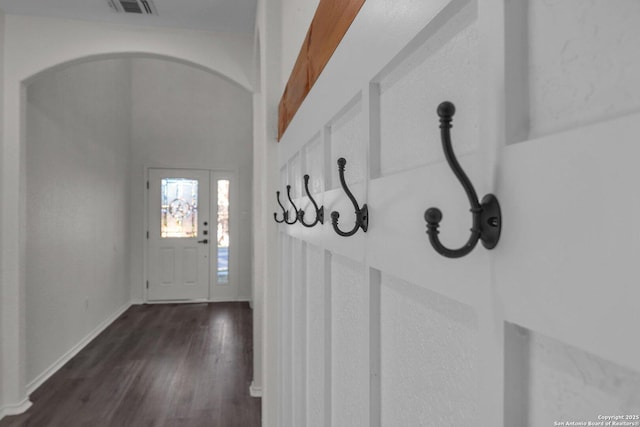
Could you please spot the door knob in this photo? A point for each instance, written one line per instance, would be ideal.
(205, 241)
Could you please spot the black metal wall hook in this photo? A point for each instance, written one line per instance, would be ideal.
(487, 218)
(295, 209)
(319, 211)
(362, 214)
(285, 214)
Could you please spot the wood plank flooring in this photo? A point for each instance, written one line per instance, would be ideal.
(168, 365)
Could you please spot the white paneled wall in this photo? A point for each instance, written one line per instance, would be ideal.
(314, 164)
(318, 330)
(562, 382)
(565, 381)
(531, 333)
(444, 68)
(350, 343)
(299, 331)
(584, 62)
(294, 176)
(347, 139)
(429, 348)
(285, 388)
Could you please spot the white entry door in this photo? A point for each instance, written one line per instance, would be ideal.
(179, 234)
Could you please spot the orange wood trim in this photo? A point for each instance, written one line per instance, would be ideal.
(329, 25)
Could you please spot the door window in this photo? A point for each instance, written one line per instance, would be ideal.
(179, 208)
(223, 231)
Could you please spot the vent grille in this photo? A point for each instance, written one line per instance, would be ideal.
(131, 6)
(141, 7)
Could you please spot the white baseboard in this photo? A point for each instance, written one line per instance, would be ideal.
(197, 301)
(40, 379)
(137, 301)
(230, 299)
(15, 409)
(255, 391)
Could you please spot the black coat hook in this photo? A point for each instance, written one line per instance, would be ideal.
(285, 214)
(362, 214)
(487, 218)
(295, 209)
(319, 211)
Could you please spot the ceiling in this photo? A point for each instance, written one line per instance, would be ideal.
(237, 16)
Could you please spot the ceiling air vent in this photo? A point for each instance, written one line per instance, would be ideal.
(142, 7)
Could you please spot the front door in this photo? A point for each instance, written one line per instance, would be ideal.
(179, 234)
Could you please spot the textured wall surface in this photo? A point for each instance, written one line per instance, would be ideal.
(314, 164)
(350, 344)
(299, 328)
(283, 179)
(584, 62)
(285, 386)
(443, 68)
(347, 140)
(295, 176)
(568, 384)
(77, 157)
(283, 195)
(429, 367)
(317, 305)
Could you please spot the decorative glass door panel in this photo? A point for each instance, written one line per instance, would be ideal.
(179, 207)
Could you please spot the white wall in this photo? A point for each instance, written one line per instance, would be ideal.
(183, 117)
(296, 18)
(78, 162)
(566, 382)
(59, 40)
(267, 310)
(2, 288)
(583, 63)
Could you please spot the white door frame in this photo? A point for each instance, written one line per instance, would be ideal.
(215, 174)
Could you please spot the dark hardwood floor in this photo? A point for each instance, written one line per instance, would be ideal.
(157, 365)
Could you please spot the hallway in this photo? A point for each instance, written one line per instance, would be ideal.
(157, 365)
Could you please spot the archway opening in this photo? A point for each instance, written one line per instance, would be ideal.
(92, 128)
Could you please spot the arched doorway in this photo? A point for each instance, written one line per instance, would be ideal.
(49, 50)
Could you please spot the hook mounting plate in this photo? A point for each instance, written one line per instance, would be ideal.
(363, 217)
(490, 221)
